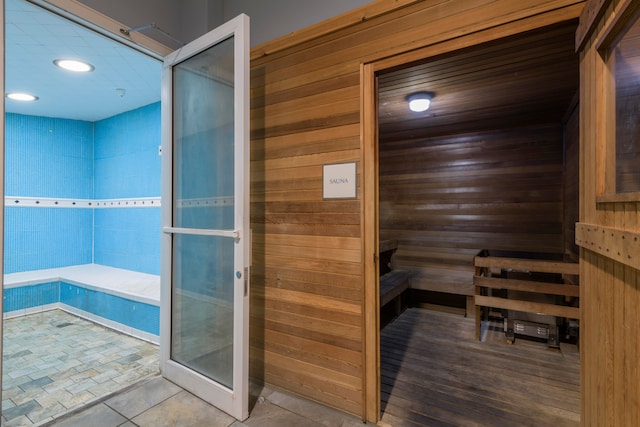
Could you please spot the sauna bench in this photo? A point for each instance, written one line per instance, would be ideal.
(392, 285)
(393, 282)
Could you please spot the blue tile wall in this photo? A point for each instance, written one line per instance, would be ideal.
(144, 317)
(128, 238)
(46, 157)
(127, 163)
(112, 158)
(31, 296)
(38, 238)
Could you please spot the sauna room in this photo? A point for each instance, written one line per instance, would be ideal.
(479, 189)
(489, 173)
(491, 165)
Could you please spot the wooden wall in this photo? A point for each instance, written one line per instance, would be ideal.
(308, 291)
(447, 198)
(571, 181)
(608, 235)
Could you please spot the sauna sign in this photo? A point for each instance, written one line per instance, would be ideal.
(339, 181)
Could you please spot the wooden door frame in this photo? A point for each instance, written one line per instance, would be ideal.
(369, 70)
(370, 231)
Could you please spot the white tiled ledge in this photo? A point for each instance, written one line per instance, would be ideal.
(128, 284)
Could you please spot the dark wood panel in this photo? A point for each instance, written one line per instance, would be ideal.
(532, 76)
(514, 198)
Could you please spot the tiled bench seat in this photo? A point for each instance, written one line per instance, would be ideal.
(124, 300)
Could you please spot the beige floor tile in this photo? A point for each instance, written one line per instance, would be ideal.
(266, 414)
(134, 402)
(183, 410)
(98, 415)
(326, 416)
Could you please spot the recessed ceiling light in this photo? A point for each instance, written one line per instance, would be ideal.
(420, 101)
(21, 96)
(74, 65)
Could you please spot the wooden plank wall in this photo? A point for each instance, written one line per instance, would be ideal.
(610, 289)
(307, 292)
(571, 182)
(447, 198)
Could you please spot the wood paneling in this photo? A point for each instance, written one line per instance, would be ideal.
(512, 82)
(571, 181)
(446, 198)
(314, 295)
(610, 293)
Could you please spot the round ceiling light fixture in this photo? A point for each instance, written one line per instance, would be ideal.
(74, 65)
(420, 101)
(22, 96)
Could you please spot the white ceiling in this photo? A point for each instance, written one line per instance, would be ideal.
(35, 37)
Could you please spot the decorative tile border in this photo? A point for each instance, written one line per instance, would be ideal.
(140, 202)
(47, 202)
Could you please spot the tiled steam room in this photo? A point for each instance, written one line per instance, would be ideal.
(82, 236)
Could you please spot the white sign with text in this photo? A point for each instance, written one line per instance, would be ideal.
(339, 181)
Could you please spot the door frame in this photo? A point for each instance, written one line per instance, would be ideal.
(369, 70)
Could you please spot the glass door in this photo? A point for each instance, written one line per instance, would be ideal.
(205, 199)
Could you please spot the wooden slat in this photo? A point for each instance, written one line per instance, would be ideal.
(527, 286)
(528, 306)
(345, 20)
(392, 285)
(520, 264)
(591, 14)
(388, 245)
(442, 284)
(614, 243)
(435, 373)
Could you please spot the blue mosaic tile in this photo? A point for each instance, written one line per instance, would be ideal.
(24, 297)
(138, 315)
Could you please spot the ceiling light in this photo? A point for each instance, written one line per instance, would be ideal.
(420, 101)
(74, 65)
(21, 96)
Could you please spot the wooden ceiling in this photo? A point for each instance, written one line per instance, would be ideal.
(526, 79)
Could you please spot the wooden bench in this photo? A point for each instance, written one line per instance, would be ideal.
(392, 285)
(393, 282)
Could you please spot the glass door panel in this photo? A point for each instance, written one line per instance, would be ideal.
(202, 305)
(204, 336)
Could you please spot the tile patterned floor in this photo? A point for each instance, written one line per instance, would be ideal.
(156, 402)
(64, 371)
(54, 362)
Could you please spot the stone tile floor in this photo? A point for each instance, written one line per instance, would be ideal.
(54, 362)
(156, 402)
(60, 370)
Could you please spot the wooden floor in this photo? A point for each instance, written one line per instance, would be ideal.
(434, 373)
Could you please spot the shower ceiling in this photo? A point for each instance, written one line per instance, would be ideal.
(36, 37)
